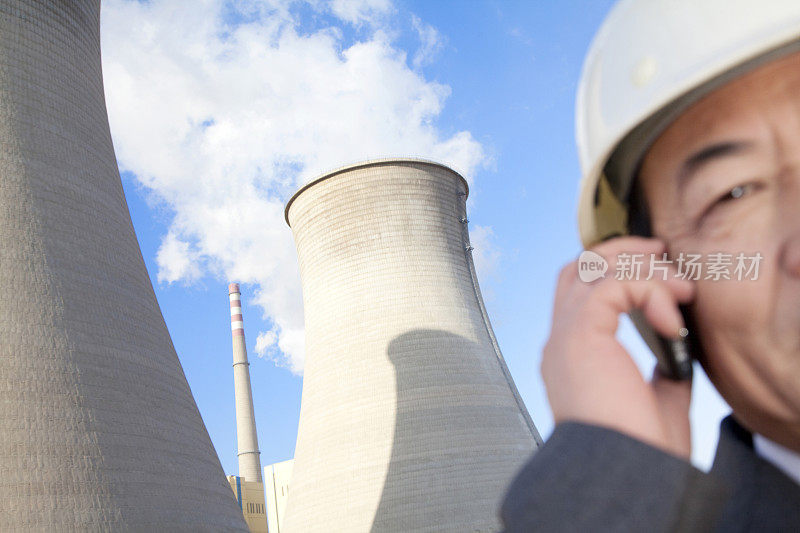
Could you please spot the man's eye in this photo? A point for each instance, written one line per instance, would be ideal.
(735, 193)
(732, 195)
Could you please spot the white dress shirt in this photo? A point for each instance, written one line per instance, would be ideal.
(782, 458)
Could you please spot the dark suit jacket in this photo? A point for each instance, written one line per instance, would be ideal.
(588, 478)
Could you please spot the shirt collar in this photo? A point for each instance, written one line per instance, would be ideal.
(780, 457)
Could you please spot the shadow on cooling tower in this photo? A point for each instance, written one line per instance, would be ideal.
(451, 456)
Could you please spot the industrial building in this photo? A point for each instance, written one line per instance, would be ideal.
(409, 420)
(99, 430)
(276, 482)
(250, 496)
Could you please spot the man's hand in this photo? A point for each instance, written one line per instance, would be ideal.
(590, 377)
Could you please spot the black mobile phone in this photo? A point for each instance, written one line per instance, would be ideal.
(674, 356)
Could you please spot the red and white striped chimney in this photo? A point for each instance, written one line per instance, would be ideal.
(246, 437)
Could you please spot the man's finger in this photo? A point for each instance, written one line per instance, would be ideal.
(674, 399)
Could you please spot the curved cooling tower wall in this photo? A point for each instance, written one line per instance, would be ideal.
(98, 427)
(409, 418)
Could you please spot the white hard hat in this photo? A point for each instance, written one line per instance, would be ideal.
(649, 61)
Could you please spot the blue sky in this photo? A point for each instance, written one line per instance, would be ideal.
(490, 88)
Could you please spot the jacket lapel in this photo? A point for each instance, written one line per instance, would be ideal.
(762, 497)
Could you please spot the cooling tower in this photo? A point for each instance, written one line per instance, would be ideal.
(246, 436)
(98, 427)
(409, 419)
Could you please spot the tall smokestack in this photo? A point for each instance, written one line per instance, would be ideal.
(246, 437)
(409, 419)
(98, 427)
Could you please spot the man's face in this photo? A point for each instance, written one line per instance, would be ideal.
(725, 177)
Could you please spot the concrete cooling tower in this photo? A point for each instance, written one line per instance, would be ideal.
(409, 420)
(98, 427)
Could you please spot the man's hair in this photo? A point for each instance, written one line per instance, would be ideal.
(638, 214)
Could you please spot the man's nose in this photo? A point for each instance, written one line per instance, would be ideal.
(788, 220)
(790, 258)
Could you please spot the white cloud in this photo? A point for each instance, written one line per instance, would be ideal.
(360, 11)
(431, 43)
(486, 258)
(265, 342)
(178, 260)
(222, 121)
(485, 253)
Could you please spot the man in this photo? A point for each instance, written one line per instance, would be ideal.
(688, 125)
